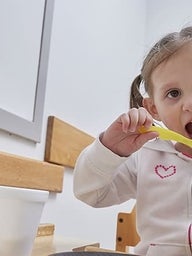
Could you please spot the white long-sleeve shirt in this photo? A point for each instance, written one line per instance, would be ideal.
(158, 177)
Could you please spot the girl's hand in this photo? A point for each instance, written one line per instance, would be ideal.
(122, 136)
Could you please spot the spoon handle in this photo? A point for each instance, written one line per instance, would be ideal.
(166, 134)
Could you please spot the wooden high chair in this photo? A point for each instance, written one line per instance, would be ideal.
(126, 233)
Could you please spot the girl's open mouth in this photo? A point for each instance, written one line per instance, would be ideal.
(188, 128)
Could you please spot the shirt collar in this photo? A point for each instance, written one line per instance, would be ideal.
(165, 146)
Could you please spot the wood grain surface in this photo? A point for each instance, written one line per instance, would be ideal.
(64, 142)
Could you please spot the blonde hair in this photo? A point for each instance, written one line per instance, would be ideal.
(161, 51)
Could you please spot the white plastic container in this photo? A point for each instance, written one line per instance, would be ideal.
(20, 214)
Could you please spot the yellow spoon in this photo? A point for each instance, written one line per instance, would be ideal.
(166, 134)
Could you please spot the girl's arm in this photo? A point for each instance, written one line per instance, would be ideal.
(101, 177)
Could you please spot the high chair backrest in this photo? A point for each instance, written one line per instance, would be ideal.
(126, 234)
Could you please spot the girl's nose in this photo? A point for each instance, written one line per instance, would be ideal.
(187, 105)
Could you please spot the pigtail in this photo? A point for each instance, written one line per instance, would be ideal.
(136, 98)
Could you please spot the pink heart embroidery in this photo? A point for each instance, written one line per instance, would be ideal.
(164, 172)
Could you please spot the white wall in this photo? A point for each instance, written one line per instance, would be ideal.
(96, 50)
(96, 46)
(164, 17)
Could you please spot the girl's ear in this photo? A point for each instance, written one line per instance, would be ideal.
(149, 105)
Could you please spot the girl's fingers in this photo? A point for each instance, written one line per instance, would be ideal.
(145, 118)
(139, 117)
(135, 118)
(125, 120)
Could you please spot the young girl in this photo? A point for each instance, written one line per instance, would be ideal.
(124, 163)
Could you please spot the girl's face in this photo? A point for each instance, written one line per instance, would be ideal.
(171, 99)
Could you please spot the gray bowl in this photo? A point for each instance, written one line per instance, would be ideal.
(90, 254)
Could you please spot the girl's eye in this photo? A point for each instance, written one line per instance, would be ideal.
(173, 93)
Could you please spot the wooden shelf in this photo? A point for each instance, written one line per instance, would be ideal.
(23, 172)
(64, 142)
